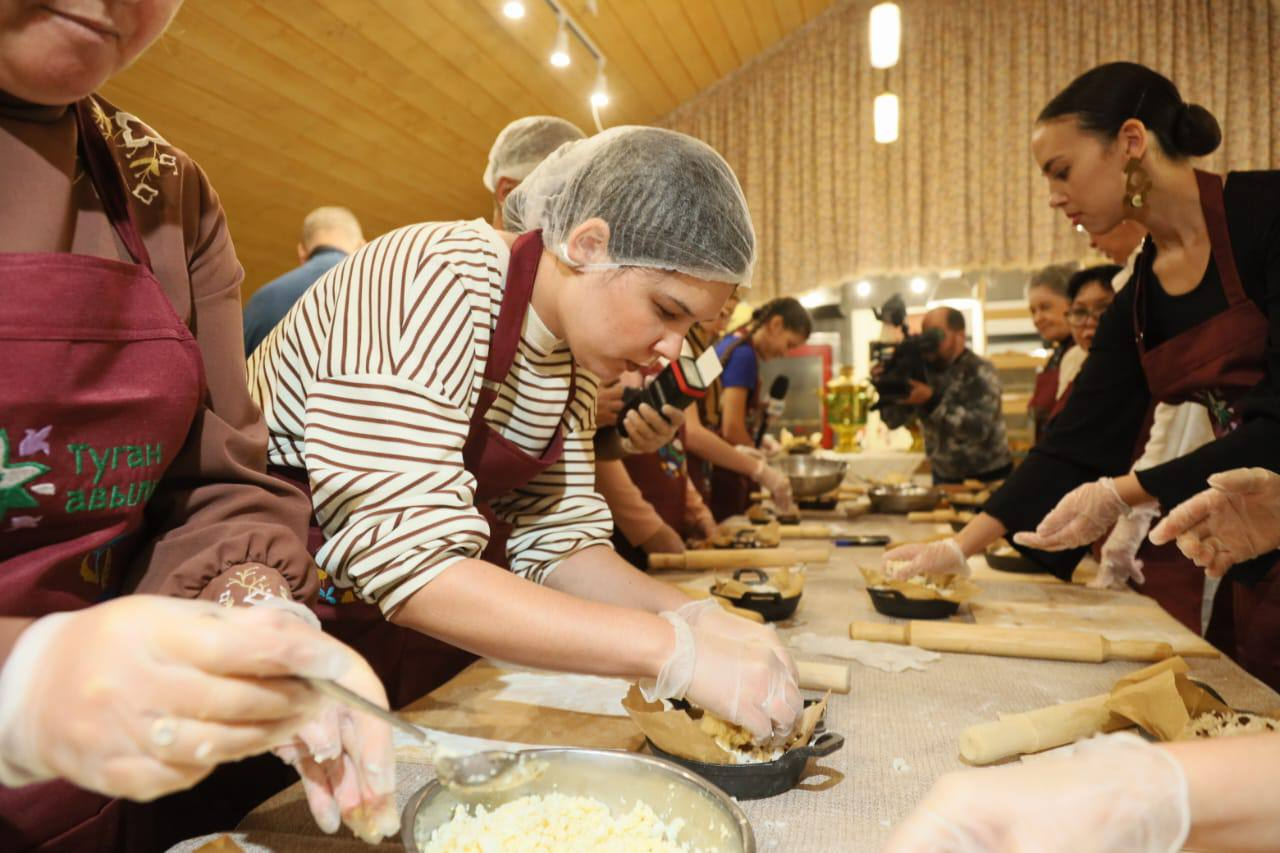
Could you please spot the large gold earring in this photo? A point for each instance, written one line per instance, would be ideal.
(1137, 183)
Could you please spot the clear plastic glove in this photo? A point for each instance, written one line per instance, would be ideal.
(1115, 794)
(1082, 517)
(769, 445)
(1120, 562)
(707, 615)
(750, 452)
(347, 762)
(647, 431)
(744, 683)
(145, 695)
(1236, 519)
(944, 557)
(779, 486)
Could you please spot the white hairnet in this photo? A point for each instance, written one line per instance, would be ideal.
(524, 144)
(671, 203)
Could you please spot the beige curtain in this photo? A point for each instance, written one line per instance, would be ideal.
(959, 188)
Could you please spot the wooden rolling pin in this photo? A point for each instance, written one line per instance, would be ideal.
(1036, 731)
(1057, 725)
(823, 676)
(742, 558)
(804, 531)
(1043, 643)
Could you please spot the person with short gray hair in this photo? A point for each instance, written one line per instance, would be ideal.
(518, 150)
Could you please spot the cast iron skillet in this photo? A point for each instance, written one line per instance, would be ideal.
(757, 781)
(891, 602)
(1020, 564)
(771, 605)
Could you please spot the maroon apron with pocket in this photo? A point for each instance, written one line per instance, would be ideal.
(99, 385)
(1045, 403)
(662, 480)
(410, 663)
(1213, 363)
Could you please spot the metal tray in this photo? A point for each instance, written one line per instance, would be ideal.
(712, 821)
(904, 499)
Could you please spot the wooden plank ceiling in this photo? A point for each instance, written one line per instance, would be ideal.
(389, 106)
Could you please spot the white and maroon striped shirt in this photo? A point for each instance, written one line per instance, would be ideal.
(369, 383)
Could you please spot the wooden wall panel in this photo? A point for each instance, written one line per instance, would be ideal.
(389, 107)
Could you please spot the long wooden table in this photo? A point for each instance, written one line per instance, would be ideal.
(901, 729)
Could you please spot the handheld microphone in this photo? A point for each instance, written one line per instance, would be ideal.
(774, 406)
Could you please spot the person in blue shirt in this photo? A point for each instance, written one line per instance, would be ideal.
(775, 328)
(329, 234)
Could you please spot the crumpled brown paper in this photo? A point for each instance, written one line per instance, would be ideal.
(1164, 703)
(678, 732)
(951, 587)
(789, 584)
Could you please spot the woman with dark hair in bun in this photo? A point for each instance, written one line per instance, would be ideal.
(1200, 322)
(775, 328)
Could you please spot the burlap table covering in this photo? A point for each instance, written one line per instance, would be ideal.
(901, 729)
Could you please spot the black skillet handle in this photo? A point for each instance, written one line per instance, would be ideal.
(760, 576)
(825, 744)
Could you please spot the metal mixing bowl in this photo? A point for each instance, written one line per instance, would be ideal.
(812, 475)
(712, 821)
(907, 497)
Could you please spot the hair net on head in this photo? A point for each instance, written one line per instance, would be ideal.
(671, 202)
(525, 143)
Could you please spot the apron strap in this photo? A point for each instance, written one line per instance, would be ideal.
(1215, 217)
(106, 179)
(522, 270)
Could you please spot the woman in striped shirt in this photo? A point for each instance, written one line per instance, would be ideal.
(447, 366)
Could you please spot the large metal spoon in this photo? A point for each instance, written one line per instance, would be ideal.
(466, 775)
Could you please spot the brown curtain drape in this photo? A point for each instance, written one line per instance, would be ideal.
(959, 188)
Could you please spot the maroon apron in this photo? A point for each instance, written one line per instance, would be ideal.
(1044, 403)
(661, 478)
(1214, 364)
(99, 385)
(410, 663)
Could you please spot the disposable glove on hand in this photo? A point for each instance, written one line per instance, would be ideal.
(1236, 519)
(1115, 794)
(1082, 517)
(744, 683)
(928, 558)
(707, 615)
(1120, 562)
(779, 486)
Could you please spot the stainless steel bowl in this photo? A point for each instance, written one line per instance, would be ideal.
(907, 497)
(812, 475)
(712, 821)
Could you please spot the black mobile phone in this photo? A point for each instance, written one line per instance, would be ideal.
(682, 382)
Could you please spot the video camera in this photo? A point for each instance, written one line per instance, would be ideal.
(902, 360)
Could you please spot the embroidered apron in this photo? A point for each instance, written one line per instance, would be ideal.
(99, 385)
